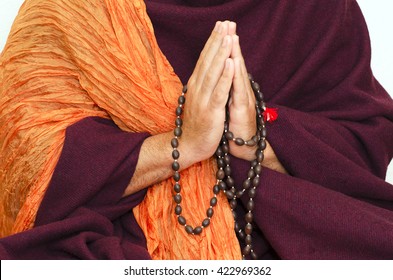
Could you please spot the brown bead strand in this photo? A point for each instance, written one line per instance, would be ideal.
(224, 180)
(240, 141)
(176, 167)
(253, 176)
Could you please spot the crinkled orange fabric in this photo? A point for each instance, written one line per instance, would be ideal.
(69, 59)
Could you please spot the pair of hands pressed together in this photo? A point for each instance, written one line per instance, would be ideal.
(220, 74)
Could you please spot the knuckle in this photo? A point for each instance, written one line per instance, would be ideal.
(217, 99)
(209, 79)
(203, 65)
(226, 75)
(191, 82)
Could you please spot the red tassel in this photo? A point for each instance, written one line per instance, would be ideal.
(270, 114)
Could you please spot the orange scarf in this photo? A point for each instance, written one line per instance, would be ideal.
(67, 60)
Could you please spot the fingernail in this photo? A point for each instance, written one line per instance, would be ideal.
(232, 25)
(216, 26)
(219, 27)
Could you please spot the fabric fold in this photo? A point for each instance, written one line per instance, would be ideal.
(68, 60)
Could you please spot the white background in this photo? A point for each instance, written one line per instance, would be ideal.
(280, 269)
(378, 14)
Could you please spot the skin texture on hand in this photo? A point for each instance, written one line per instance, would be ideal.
(220, 74)
(242, 112)
(207, 95)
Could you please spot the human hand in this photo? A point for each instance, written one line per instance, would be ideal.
(243, 113)
(207, 95)
(241, 106)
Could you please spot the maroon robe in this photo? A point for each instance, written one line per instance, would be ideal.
(334, 135)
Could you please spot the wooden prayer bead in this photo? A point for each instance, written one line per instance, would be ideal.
(239, 141)
(247, 184)
(181, 220)
(230, 182)
(213, 201)
(248, 229)
(258, 169)
(189, 229)
(251, 173)
(227, 170)
(175, 166)
(178, 131)
(179, 111)
(210, 212)
(220, 174)
(177, 198)
(224, 180)
(206, 222)
(250, 205)
(176, 176)
(174, 143)
(248, 239)
(175, 154)
(230, 194)
(197, 230)
(185, 87)
(178, 210)
(239, 194)
(249, 217)
(181, 99)
(229, 135)
(252, 192)
(255, 86)
(247, 250)
(177, 188)
(221, 163)
(216, 189)
(178, 122)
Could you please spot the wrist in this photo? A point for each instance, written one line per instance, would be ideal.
(242, 152)
(189, 154)
(271, 161)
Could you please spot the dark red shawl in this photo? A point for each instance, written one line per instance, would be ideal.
(334, 135)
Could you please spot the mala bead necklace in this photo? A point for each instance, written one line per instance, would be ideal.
(176, 177)
(224, 181)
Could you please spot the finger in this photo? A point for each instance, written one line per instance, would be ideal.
(242, 73)
(231, 28)
(217, 66)
(209, 51)
(239, 90)
(215, 33)
(236, 51)
(220, 93)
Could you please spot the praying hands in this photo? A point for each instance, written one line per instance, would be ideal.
(220, 78)
(98, 111)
